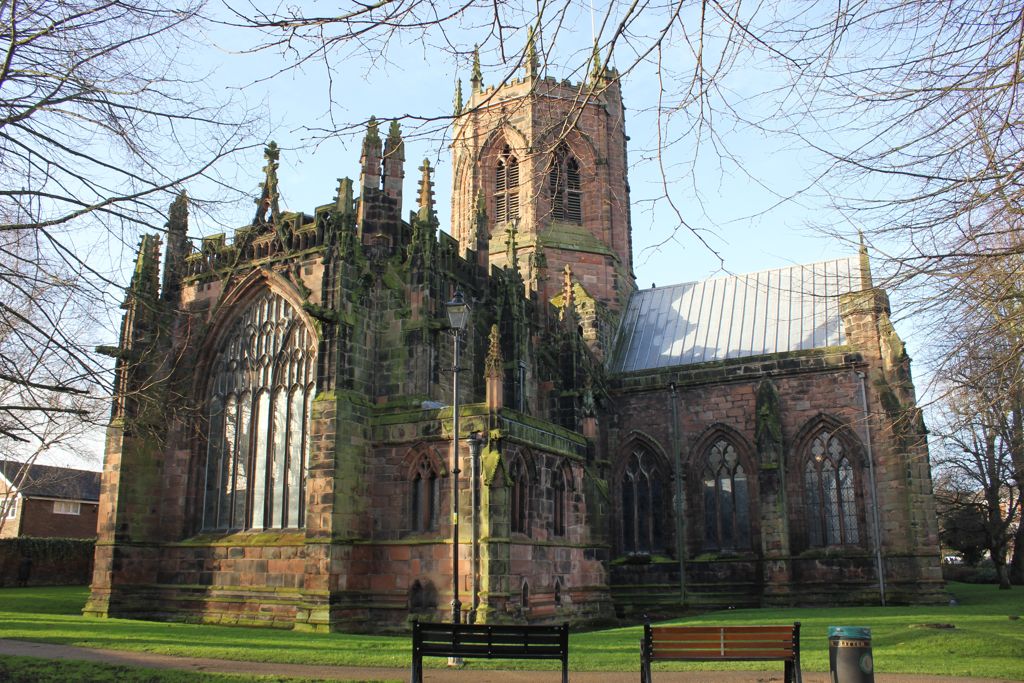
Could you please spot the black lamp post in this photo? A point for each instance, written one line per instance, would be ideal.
(458, 315)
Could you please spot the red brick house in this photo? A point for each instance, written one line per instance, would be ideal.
(44, 501)
(280, 446)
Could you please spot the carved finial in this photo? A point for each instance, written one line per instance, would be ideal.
(177, 249)
(481, 216)
(343, 202)
(394, 132)
(144, 282)
(177, 216)
(372, 131)
(458, 97)
(510, 243)
(370, 175)
(596, 69)
(426, 211)
(568, 294)
(477, 79)
(865, 264)
(589, 405)
(530, 60)
(268, 201)
(493, 363)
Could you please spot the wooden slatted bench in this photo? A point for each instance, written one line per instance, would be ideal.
(490, 641)
(722, 643)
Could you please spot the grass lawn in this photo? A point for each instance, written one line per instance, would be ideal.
(984, 643)
(35, 670)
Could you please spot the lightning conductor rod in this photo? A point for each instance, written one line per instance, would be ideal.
(879, 564)
(680, 521)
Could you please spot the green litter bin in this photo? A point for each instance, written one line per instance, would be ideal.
(849, 654)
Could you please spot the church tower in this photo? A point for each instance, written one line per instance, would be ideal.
(548, 160)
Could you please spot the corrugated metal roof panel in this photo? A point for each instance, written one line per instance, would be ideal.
(773, 311)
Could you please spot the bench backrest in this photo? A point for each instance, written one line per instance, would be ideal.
(490, 641)
(734, 643)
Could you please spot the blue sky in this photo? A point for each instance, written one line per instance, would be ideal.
(735, 204)
(744, 193)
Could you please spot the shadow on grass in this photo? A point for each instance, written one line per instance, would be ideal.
(984, 642)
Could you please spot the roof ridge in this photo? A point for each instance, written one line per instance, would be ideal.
(755, 272)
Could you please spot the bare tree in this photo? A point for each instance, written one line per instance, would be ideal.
(101, 121)
(982, 417)
(977, 437)
(913, 108)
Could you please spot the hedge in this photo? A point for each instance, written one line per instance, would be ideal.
(46, 561)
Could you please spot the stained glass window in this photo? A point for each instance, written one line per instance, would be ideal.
(829, 493)
(726, 499)
(641, 504)
(559, 500)
(258, 406)
(520, 497)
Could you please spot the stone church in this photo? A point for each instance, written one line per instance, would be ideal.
(280, 450)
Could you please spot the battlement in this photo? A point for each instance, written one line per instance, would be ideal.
(547, 86)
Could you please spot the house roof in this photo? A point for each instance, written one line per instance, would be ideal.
(44, 481)
(772, 311)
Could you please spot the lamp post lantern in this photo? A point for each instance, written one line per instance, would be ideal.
(458, 315)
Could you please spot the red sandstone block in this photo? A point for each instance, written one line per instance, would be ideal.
(399, 553)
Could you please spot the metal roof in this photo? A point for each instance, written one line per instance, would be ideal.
(773, 311)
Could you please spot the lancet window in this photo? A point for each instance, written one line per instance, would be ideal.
(558, 489)
(830, 493)
(520, 493)
(642, 504)
(259, 400)
(726, 499)
(564, 187)
(424, 499)
(506, 187)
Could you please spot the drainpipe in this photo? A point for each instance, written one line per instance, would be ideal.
(879, 565)
(680, 520)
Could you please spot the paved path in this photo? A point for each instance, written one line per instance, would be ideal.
(467, 675)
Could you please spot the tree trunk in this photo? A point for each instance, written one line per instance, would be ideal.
(997, 551)
(1017, 561)
(1003, 575)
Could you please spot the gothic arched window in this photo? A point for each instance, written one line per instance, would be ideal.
(641, 504)
(520, 503)
(564, 187)
(259, 400)
(726, 499)
(558, 513)
(506, 187)
(829, 492)
(424, 499)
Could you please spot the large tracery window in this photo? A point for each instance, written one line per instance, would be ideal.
(830, 493)
(726, 499)
(641, 504)
(564, 187)
(506, 187)
(259, 401)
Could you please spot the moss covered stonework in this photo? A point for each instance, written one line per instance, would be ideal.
(555, 430)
